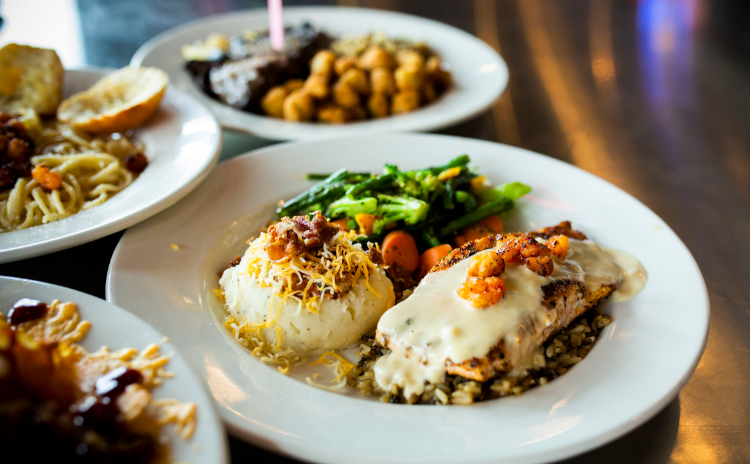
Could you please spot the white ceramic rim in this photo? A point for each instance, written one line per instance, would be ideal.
(279, 441)
(209, 434)
(478, 84)
(79, 229)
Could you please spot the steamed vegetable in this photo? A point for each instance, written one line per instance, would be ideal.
(490, 225)
(400, 247)
(435, 205)
(431, 257)
(349, 207)
(403, 208)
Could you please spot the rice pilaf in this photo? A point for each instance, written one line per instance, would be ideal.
(555, 358)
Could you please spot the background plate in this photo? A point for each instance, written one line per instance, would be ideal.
(183, 141)
(642, 360)
(115, 328)
(479, 73)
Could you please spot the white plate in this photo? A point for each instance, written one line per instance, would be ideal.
(115, 328)
(645, 356)
(479, 73)
(183, 141)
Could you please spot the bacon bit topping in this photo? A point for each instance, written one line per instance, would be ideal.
(294, 236)
(49, 180)
(375, 256)
(401, 278)
(559, 245)
(136, 163)
(308, 276)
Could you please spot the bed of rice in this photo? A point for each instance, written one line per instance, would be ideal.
(559, 354)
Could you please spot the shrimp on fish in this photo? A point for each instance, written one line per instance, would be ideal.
(481, 292)
(486, 265)
(483, 285)
(558, 246)
(524, 249)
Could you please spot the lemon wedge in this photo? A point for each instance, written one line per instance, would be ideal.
(119, 102)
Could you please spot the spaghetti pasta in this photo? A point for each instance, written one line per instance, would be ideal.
(93, 169)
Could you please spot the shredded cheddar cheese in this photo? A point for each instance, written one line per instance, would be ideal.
(251, 336)
(220, 295)
(322, 274)
(341, 365)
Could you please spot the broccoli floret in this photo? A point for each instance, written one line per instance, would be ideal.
(399, 208)
(349, 207)
(423, 184)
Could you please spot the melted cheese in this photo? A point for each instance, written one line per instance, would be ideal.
(435, 324)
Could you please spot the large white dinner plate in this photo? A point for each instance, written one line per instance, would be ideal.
(479, 73)
(643, 359)
(115, 328)
(183, 141)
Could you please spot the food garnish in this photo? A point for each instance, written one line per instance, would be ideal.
(435, 205)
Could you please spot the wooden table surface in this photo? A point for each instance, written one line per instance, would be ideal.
(651, 95)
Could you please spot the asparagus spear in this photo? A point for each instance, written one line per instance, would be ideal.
(466, 199)
(428, 236)
(353, 176)
(488, 209)
(462, 160)
(311, 195)
(374, 183)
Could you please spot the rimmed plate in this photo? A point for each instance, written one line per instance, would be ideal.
(645, 356)
(183, 141)
(479, 73)
(116, 328)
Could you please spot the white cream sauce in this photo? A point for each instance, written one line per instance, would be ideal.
(634, 274)
(435, 324)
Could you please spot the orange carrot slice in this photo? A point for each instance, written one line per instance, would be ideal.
(400, 247)
(431, 257)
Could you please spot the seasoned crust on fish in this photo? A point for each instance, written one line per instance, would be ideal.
(564, 228)
(464, 251)
(475, 246)
(564, 300)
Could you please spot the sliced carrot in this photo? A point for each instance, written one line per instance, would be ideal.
(431, 257)
(365, 222)
(489, 226)
(493, 223)
(342, 224)
(400, 247)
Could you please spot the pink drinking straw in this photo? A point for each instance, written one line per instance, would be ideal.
(275, 24)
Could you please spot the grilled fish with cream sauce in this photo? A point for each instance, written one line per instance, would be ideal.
(454, 323)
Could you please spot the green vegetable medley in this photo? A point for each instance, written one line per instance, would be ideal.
(433, 204)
